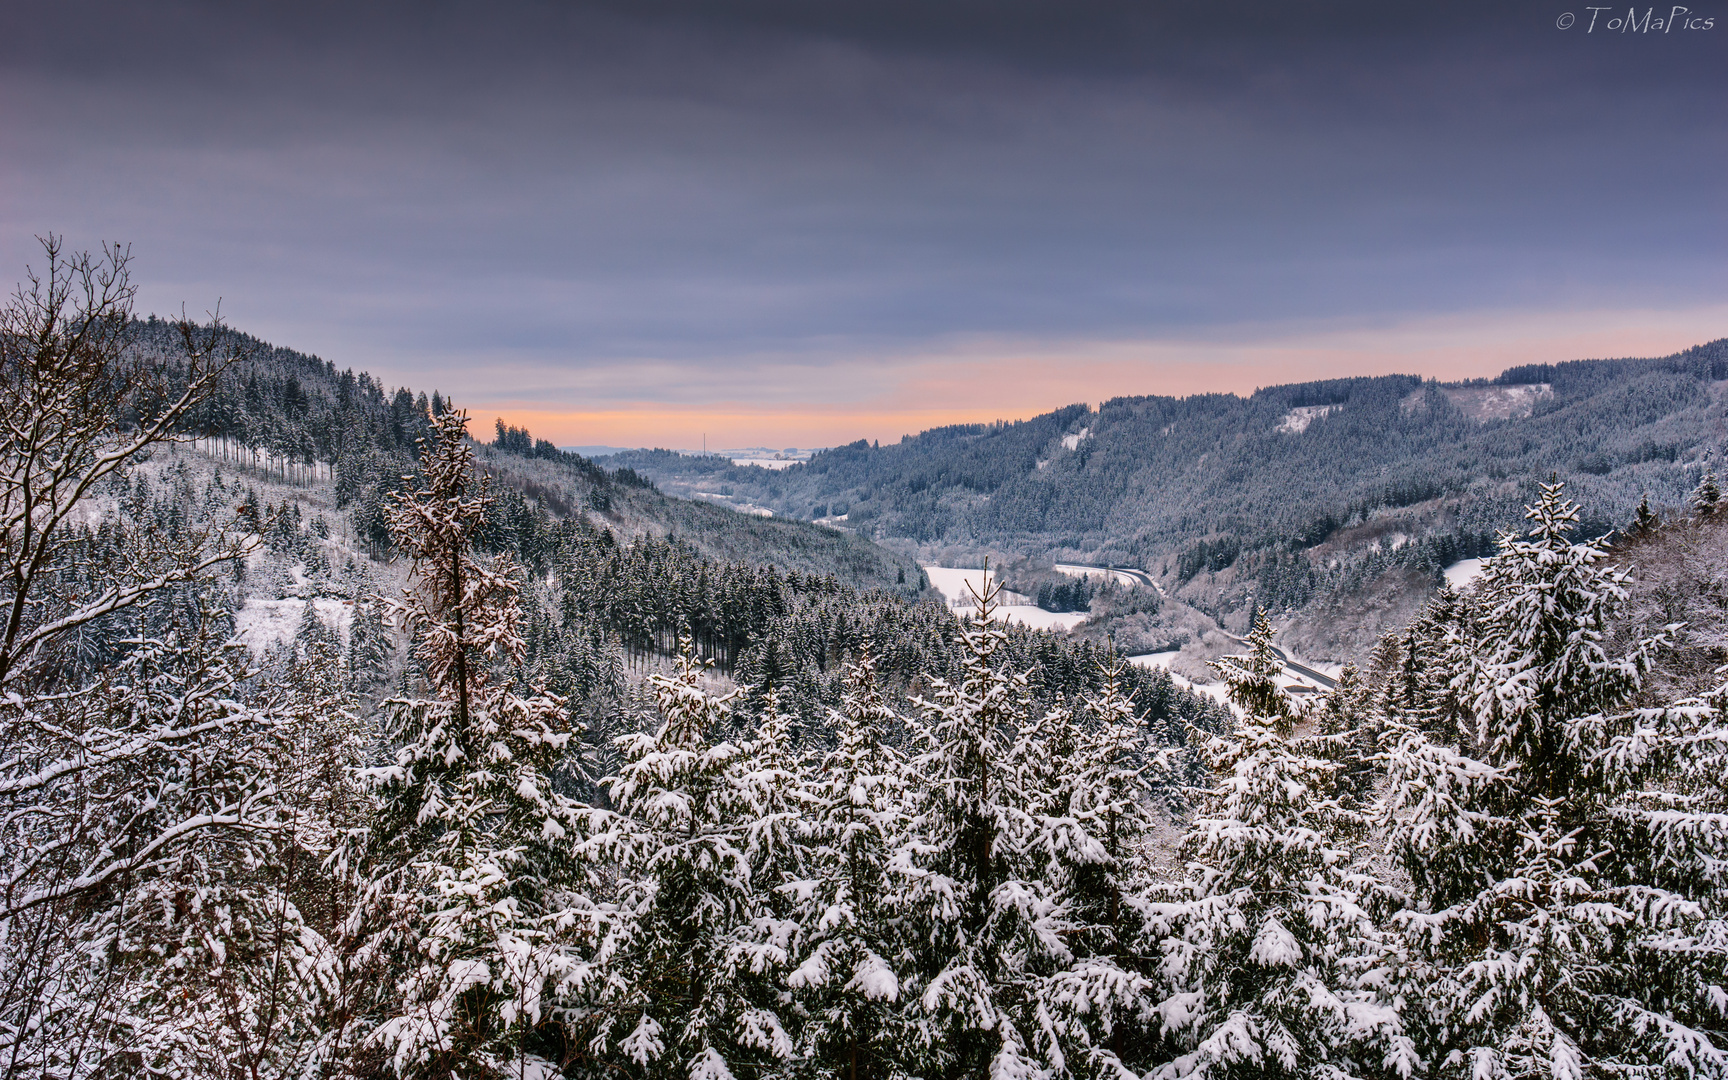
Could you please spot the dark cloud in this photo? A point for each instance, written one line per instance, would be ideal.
(708, 181)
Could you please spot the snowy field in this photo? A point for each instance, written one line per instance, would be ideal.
(1461, 573)
(264, 623)
(732, 504)
(766, 458)
(1296, 421)
(766, 463)
(958, 586)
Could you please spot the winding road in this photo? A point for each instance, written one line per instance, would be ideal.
(1133, 576)
(1126, 574)
(1301, 669)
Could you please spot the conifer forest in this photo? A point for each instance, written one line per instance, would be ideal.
(551, 774)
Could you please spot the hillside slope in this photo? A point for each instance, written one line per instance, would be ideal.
(298, 418)
(1309, 498)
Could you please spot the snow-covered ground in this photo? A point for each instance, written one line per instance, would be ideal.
(959, 585)
(769, 459)
(1296, 421)
(263, 623)
(1484, 403)
(1214, 690)
(1461, 573)
(732, 504)
(766, 463)
(1038, 619)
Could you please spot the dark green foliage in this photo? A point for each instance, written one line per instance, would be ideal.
(790, 631)
(1071, 595)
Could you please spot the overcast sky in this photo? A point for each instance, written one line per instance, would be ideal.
(801, 222)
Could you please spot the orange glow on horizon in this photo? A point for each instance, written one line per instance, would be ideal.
(984, 381)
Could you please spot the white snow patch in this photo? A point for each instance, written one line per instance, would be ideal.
(1038, 619)
(727, 501)
(1461, 573)
(959, 587)
(1073, 442)
(874, 979)
(956, 585)
(1484, 403)
(259, 624)
(766, 463)
(1296, 421)
(1157, 659)
(1217, 691)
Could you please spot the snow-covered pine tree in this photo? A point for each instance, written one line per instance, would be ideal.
(1707, 496)
(473, 860)
(983, 935)
(1252, 678)
(369, 645)
(1550, 924)
(1095, 780)
(1348, 729)
(700, 985)
(847, 979)
(1270, 964)
(1645, 522)
(1442, 667)
(773, 775)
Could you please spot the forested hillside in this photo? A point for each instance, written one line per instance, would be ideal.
(1294, 497)
(300, 419)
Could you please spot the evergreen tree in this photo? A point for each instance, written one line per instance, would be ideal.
(1543, 918)
(1349, 728)
(1252, 679)
(849, 944)
(369, 646)
(1096, 782)
(700, 980)
(1271, 965)
(1646, 522)
(984, 934)
(1707, 496)
(474, 852)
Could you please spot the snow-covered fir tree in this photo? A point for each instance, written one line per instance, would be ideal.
(1270, 961)
(1349, 728)
(847, 978)
(476, 892)
(1549, 943)
(1707, 496)
(1644, 522)
(982, 931)
(1251, 679)
(1096, 783)
(700, 981)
